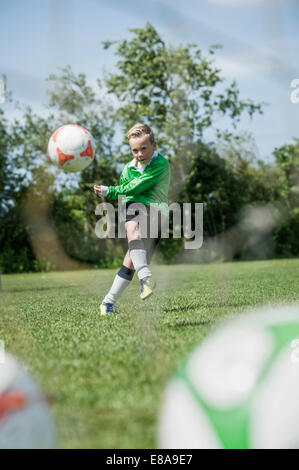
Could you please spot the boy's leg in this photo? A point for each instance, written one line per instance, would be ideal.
(137, 255)
(137, 250)
(121, 280)
(140, 258)
(160, 222)
(128, 260)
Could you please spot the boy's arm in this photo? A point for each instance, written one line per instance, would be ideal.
(103, 190)
(138, 185)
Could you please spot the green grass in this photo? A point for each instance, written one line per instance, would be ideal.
(105, 375)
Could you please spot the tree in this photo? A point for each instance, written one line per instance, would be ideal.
(287, 161)
(176, 90)
(16, 254)
(6, 179)
(241, 156)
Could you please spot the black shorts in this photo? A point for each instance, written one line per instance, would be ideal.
(154, 220)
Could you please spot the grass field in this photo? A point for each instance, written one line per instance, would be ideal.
(105, 375)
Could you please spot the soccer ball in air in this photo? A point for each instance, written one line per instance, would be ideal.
(239, 388)
(71, 147)
(25, 420)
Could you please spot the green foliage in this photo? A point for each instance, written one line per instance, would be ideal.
(75, 227)
(6, 182)
(212, 182)
(20, 145)
(16, 254)
(287, 159)
(174, 89)
(287, 236)
(70, 92)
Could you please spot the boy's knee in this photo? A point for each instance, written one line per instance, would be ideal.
(132, 231)
(128, 261)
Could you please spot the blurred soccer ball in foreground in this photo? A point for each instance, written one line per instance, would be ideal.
(25, 421)
(239, 388)
(71, 147)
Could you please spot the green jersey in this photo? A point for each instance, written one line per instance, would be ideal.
(148, 186)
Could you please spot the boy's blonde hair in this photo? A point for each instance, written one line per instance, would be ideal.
(138, 130)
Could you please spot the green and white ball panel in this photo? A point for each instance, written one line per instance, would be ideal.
(275, 414)
(225, 368)
(239, 388)
(183, 423)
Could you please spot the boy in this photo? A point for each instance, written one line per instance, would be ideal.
(144, 180)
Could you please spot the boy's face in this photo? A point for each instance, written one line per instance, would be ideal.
(142, 148)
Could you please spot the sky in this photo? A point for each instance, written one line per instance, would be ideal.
(259, 38)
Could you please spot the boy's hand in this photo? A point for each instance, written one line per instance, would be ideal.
(97, 190)
(101, 190)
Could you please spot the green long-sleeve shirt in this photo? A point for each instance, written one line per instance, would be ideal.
(150, 187)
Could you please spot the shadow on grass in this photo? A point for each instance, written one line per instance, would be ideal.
(180, 324)
(190, 308)
(184, 308)
(36, 289)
